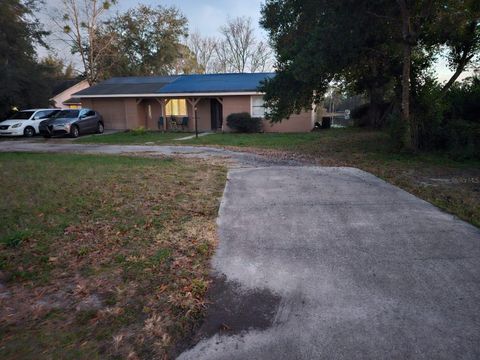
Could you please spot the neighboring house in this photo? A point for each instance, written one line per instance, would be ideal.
(131, 102)
(64, 91)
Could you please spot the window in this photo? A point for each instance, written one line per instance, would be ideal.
(52, 114)
(41, 115)
(69, 114)
(176, 107)
(22, 115)
(258, 106)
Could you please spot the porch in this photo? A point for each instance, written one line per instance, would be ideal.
(181, 114)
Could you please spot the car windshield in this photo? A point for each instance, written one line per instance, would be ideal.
(70, 114)
(22, 115)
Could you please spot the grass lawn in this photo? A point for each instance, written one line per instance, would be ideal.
(103, 256)
(283, 141)
(448, 182)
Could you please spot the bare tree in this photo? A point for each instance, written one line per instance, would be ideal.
(203, 48)
(239, 39)
(236, 50)
(261, 58)
(222, 62)
(81, 23)
(239, 49)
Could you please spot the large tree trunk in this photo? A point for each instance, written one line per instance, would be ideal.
(405, 105)
(408, 139)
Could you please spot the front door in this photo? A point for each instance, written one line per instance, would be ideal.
(216, 114)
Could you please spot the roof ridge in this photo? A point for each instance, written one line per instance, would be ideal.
(185, 75)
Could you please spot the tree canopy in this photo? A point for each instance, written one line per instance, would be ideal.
(382, 48)
(24, 80)
(147, 40)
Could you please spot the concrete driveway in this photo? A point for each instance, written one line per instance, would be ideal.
(334, 263)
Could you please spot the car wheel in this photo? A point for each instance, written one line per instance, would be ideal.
(74, 132)
(100, 128)
(29, 131)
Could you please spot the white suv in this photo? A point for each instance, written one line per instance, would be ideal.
(25, 122)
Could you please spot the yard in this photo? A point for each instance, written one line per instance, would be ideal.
(107, 256)
(449, 182)
(103, 256)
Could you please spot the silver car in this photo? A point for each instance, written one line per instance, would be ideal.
(73, 123)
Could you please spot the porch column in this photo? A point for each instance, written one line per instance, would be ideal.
(163, 104)
(194, 102)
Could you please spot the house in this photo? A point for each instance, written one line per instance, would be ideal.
(64, 91)
(203, 100)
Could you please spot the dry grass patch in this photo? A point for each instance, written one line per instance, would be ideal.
(101, 256)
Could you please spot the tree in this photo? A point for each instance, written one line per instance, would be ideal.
(57, 68)
(386, 48)
(222, 61)
(203, 49)
(459, 32)
(238, 50)
(146, 41)
(186, 62)
(261, 58)
(21, 76)
(319, 42)
(81, 22)
(430, 25)
(239, 40)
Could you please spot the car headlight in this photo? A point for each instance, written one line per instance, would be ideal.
(66, 126)
(16, 125)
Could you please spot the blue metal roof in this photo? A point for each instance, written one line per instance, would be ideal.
(210, 83)
(177, 84)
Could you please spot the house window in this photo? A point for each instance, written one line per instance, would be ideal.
(258, 106)
(176, 107)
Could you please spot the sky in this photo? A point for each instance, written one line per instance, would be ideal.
(206, 17)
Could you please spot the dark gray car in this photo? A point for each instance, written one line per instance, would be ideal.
(73, 123)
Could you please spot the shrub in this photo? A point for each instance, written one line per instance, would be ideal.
(464, 101)
(448, 123)
(428, 115)
(139, 131)
(461, 138)
(243, 122)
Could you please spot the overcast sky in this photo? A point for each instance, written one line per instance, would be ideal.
(207, 16)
